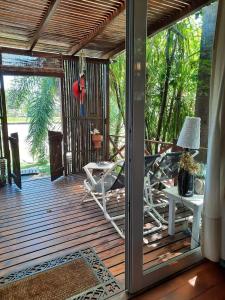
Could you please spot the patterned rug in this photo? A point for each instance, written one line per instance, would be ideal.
(80, 275)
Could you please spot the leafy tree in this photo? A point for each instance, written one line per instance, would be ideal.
(37, 96)
(171, 81)
(117, 104)
(172, 66)
(209, 15)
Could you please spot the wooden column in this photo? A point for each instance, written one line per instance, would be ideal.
(5, 136)
(107, 114)
(64, 125)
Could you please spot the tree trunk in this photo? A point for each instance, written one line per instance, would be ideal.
(169, 62)
(117, 131)
(178, 106)
(203, 89)
(169, 117)
(118, 96)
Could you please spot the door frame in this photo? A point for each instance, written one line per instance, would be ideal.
(15, 159)
(4, 123)
(135, 279)
(55, 140)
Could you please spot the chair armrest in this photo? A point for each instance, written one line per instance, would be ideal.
(111, 169)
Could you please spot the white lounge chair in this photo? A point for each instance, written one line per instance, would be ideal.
(103, 186)
(111, 183)
(165, 169)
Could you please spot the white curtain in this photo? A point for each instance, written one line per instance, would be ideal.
(213, 244)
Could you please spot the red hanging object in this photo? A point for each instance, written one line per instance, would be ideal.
(76, 88)
(79, 92)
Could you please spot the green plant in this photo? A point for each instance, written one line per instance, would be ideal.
(41, 113)
(188, 163)
(36, 98)
(172, 63)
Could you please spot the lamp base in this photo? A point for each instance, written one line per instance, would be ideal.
(185, 183)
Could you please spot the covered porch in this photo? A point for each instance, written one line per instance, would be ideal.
(43, 43)
(45, 219)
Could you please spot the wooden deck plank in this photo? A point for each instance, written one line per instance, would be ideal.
(45, 224)
(205, 281)
(46, 220)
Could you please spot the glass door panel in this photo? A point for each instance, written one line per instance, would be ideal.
(160, 239)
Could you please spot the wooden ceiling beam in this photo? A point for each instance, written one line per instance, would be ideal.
(163, 24)
(44, 22)
(177, 16)
(98, 30)
(48, 55)
(24, 71)
(113, 52)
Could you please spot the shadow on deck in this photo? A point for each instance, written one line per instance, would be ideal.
(46, 220)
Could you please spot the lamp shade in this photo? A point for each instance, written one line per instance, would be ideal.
(190, 133)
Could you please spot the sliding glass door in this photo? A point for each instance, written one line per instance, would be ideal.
(149, 227)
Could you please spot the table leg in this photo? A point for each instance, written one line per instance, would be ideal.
(171, 225)
(196, 227)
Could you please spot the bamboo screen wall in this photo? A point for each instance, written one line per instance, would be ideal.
(1, 123)
(77, 136)
(76, 129)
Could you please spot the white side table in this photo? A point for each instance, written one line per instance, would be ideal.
(101, 166)
(195, 203)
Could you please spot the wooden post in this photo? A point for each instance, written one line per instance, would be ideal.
(64, 125)
(107, 127)
(5, 136)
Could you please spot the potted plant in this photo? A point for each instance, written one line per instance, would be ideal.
(200, 180)
(97, 138)
(188, 167)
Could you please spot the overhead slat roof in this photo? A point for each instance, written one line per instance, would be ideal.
(67, 26)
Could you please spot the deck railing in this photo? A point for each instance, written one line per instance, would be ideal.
(117, 149)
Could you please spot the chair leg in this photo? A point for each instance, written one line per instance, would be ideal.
(164, 221)
(103, 206)
(154, 229)
(152, 207)
(84, 199)
(157, 214)
(118, 229)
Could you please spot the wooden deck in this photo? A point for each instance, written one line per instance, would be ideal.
(203, 282)
(46, 220)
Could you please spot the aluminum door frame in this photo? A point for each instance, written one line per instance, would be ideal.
(135, 279)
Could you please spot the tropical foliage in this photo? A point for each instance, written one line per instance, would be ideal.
(171, 81)
(36, 97)
(117, 96)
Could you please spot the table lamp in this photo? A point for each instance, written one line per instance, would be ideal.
(190, 134)
(189, 139)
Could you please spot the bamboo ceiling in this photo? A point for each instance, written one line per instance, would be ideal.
(67, 26)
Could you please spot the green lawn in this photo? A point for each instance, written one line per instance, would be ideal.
(17, 120)
(26, 120)
(44, 168)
